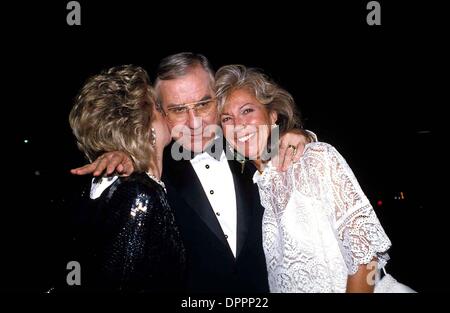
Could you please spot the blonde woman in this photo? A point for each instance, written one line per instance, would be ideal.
(130, 241)
(320, 233)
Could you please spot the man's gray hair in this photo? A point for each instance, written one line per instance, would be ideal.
(178, 65)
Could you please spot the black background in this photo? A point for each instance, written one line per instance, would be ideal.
(374, 92)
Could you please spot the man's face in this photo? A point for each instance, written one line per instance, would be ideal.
(193, 130)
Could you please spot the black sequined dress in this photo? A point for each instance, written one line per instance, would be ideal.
(128, 239)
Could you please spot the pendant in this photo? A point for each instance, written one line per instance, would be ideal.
(242, 166)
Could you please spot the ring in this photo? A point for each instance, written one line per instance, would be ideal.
(294, 149)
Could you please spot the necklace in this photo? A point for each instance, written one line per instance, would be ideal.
(156, 180)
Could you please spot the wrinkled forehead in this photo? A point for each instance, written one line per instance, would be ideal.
(191, 87)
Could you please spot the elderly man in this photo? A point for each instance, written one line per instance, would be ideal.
(217, 207)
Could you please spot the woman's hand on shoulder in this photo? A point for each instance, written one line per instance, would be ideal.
(291, 148)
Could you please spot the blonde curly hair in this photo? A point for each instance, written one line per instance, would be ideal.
(113, 112)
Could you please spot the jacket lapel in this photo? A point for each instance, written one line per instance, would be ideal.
(243, 190)
(183, 178)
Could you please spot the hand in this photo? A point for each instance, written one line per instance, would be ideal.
(116, 161)
(292, 145)
(363, 281)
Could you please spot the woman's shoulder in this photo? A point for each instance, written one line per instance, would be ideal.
(136, 179)
(137, 183)
(320, 151)
(130, 187)
(127, 197)
(315, 156)
(318, 147)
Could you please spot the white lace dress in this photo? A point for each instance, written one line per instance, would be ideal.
(318, 225)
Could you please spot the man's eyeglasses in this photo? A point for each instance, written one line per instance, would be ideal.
(181, 112)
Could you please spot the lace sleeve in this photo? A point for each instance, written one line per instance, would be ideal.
(358, 228)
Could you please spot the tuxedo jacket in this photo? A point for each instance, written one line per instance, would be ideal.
(210, 263)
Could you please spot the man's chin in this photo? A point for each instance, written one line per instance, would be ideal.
(250, 154)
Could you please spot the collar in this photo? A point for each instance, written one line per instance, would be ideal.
(206, 156)
(99, 184)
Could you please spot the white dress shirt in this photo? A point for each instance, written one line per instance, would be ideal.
(217, 182)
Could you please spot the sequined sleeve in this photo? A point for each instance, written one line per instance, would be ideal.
(142, 250)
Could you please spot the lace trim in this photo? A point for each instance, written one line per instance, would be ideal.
(363, 239)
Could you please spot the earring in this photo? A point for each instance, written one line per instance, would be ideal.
(274, 126)
(153, 137)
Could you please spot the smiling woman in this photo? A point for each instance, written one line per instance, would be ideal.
(320, 233)
(258, 104)
(247, 124)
